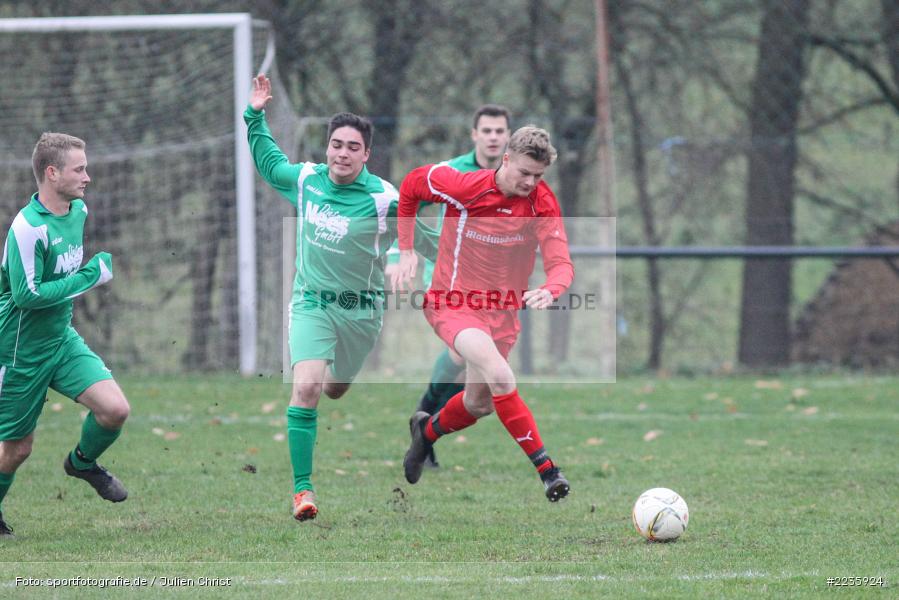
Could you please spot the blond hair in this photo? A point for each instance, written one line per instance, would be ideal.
(51, 150)
(534, 142)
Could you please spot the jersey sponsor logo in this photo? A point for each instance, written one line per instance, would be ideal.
(507, 211)
(314, 190)
(56, 241)
(69, 261)
(330, 225)
(493, 239)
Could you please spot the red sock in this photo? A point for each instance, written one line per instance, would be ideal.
(519, 422)
(452, 417)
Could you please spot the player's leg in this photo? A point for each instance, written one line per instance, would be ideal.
(23, 392)
(443, 385)
(312, 340)
(81, 375)
(447, 380)
(302, 430)
(487, 359)
(108, 409)
(12, 454)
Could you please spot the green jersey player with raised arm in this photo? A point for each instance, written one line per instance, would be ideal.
(346, 223)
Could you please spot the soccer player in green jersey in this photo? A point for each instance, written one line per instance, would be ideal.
(490, 133)
(40, 274)
(346, 223)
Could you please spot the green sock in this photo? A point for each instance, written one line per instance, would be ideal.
(443, 377)
(5, 483)
(301, 429)
(95, 439)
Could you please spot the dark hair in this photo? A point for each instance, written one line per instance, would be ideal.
(492, 110)
(360, 124)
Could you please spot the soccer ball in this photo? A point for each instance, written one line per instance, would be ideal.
(660, 515)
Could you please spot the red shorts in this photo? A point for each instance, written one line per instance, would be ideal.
(501, 325)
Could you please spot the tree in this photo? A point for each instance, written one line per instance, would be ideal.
(773, 154)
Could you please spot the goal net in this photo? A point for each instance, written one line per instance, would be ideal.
(156, 107)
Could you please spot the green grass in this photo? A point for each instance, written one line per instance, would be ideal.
(785, 487)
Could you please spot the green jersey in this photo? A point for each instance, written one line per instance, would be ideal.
(40, 274)
(343, 231)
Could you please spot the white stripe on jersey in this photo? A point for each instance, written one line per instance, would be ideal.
(27, 237)
(462, 219)
(307, 170)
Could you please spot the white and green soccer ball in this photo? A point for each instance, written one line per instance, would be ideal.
(660, 515)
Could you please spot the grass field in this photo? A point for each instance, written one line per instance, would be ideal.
(790, 481)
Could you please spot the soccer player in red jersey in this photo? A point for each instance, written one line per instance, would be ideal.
(494, 223)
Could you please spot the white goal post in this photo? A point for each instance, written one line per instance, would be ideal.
(241, 25)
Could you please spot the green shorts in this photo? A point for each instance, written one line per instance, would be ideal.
(325, 334)
(23, 389)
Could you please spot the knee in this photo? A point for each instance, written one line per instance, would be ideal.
(306, 394)
(502, 380)
(478, 405)
(16, 452)
(114, 415)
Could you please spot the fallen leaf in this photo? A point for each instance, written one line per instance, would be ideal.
(647, 389)
(758, 443)
(346, 454)
(647, 458)
(595, 441)
(458, 468)
(811, 410)
(171, 435)
(348, 426)
(651, 435)
(460, 439)
(215, 421)
(269, 407)
(772, 384)
(279, 437)
(642, 406)
(339, 471)
(252, 450)
(158, 431)
(56, 406)
(800, 393)
(711, 396)
(389, 463)
(362, 473)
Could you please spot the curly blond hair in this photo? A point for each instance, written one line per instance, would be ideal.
(532, 141)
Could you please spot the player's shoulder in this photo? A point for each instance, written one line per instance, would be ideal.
(446, 171)
(545, 201)
(464, 162)
(375, 185)
(78, 207)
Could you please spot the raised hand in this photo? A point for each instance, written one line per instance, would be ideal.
(262, 92)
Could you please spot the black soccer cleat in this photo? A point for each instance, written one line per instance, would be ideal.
(418, 450)
(555, 484)
(5, 530)
(106, 484)
(431, 458)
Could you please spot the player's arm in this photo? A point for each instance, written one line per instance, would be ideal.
(25, 264)
(271, 163)
(557, 265)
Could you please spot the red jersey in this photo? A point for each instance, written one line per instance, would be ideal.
(488, 241)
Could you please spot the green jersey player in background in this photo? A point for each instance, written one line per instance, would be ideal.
(40, 274)
(490, 133)
(346, 223)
